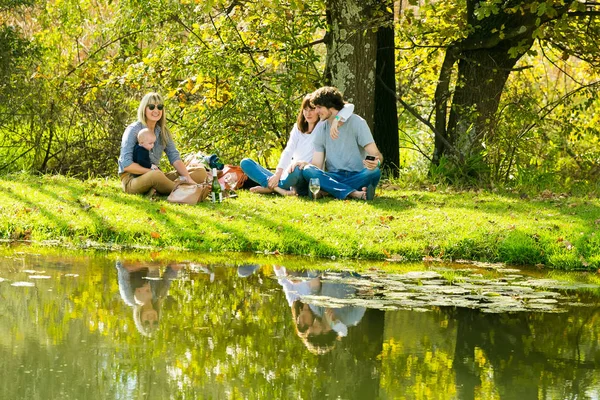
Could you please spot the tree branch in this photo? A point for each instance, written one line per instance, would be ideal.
(187, 28)
(104, 46)
(16, 158)
(583, 14)
(420, 118)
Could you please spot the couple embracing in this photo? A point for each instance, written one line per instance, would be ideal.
(327, 142)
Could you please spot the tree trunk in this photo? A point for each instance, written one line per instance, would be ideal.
(385, 126)
(485, 60)
(482, 76)
(361, 63)
(352, 54)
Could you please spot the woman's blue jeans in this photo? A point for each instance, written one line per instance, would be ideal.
(261, 175)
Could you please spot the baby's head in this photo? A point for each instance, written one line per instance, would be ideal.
(146, 139)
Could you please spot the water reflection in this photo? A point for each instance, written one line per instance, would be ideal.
(319, 326)
(242, 331)
(142, 288)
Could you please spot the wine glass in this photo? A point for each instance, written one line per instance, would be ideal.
(231, 180)
(314, 185)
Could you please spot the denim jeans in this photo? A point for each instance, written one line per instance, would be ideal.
(261, 175)
(341, 183)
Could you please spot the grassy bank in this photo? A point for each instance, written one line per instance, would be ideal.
(557, 231)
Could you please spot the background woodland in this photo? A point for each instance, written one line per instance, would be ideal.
(476, 93)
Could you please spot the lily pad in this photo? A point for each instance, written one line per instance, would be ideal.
(25, 284)
(39, 277)
(543, 301)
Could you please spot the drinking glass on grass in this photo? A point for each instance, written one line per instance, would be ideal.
(231, 180)
(314, 185)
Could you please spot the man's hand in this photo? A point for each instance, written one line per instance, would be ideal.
(334, 131)
(371, 164)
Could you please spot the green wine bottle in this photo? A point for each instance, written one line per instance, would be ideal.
(216, 194)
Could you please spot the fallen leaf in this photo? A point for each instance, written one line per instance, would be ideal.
(387, 253)
(155, 235)
(162, 210)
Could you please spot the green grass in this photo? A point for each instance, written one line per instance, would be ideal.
(557, 231)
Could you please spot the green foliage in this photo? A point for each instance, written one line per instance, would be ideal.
(472, 172)
(520, 248)
(234, 73)
(233, 76)
(541, 126)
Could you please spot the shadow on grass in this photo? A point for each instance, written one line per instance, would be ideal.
(65, 202)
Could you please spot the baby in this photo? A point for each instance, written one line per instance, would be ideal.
(141, 151)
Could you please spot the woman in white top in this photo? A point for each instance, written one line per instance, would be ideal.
(286, 181)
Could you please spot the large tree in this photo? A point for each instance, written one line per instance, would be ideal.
(476, 67)
(361, 63)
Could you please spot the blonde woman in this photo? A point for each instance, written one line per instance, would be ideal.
(138, 179)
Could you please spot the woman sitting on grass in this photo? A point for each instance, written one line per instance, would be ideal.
(287, 181)
(138, 179)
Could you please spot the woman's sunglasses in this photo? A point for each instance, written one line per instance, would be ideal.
(159, 106)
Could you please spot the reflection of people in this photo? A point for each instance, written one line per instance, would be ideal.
(246, 270)
(143, 289)
(138, 179)
(352, 160)
(319, 326)
(288, 180)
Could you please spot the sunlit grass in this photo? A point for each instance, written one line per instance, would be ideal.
(553, 231)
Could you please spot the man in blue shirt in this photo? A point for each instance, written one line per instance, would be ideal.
(352, 160)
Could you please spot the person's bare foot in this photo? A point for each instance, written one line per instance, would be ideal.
(359, 194)
(283, 192)
(261, 190)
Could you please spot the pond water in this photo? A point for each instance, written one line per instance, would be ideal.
(98, 326)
